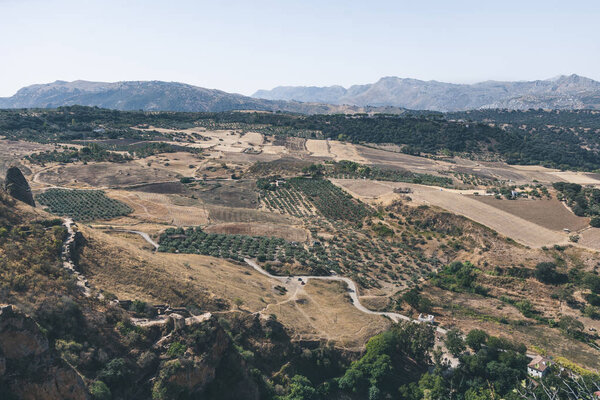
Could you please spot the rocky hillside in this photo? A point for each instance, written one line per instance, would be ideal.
(29, 367)
(564, 92)
(152, 96)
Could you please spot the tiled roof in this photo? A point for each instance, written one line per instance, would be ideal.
(539, 363)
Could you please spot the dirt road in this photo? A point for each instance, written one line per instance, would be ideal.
(352, 291)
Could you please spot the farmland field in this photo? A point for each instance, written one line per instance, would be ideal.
(297, 206)
(538, 212)
(287, 232)
(82, 205)
(458, 202)
(331, 201)
(104, 174)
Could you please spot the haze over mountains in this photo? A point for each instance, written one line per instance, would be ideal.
(390, 94)
(151, 96)
(563, 92)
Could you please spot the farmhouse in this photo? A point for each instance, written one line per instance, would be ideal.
(539, 366)
(428, 319)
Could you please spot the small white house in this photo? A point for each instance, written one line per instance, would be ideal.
(539, 366)
(428, 319)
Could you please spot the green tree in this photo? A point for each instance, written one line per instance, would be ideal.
(100, 391)
(455, 342)
(301, 389)
(476, 338)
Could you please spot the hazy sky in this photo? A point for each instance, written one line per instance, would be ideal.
(242, 46)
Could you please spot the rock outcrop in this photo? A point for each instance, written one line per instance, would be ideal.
(208, 368)
(29, 368)
(16, 185)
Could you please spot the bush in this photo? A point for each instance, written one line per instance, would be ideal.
(546, 272)
(571, 327)
(176, 349)
(100, 391)
(595, 222)
(115, 373)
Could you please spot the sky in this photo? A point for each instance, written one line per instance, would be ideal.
(243, 46)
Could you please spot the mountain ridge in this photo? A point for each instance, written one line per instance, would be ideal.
(562, 92)
(154, 96)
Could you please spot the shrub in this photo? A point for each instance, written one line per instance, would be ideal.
(176, 349)
(546, 272)
(115, 373)
(100, 391)
(571, 327)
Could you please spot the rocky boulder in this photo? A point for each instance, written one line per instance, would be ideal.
(16, 185)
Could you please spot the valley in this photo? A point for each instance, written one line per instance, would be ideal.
(334, 241)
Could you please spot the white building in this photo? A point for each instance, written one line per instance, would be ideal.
(426, 318)
(539, 366)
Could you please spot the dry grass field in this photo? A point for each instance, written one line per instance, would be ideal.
(162, 208)
(121, 264)
(551, 214)
(103, 175)
(178, 163)
(322, 311)
(507, 224)
(287, 232)
(220, 214)
(318, 148)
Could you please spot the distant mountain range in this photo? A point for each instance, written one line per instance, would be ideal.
(153, 96)
(563, 92)
(392, 95)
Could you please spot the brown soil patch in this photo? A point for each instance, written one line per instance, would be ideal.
(104, 174)
(220, 214)
(162, 208)
(286, 232)
(551, 214)
(241, 194)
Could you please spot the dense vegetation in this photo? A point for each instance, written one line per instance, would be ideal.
(457, 277)
(556, 145)
(82, 205)
(106, 151)
(302, 197)
(237, 247)
(331, 201)
(352, 170)
(92, 152)
(585, 202)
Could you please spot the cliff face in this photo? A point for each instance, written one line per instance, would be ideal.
(29, 369)
(207, 366)
(16, 185)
